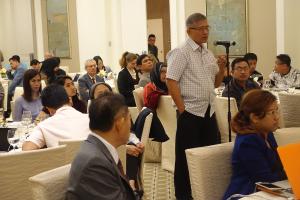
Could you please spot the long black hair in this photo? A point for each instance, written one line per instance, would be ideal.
(28, 75)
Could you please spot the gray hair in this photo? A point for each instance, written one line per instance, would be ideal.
(195, 17)
(87, 62)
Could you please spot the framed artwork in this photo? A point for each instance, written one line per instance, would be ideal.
(228, 22)
(58, 28)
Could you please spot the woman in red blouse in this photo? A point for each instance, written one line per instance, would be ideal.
(157, 86)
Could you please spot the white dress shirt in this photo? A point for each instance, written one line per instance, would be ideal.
(66, 123)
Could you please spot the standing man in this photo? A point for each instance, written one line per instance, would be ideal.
(192, 76)
(152, 49)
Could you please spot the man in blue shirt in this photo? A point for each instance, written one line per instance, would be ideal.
(16, 77)
(240, 84)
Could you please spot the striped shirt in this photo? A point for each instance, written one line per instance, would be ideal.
(194, 67)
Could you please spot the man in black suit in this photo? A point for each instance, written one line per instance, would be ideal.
(87, 80)
(97, 172)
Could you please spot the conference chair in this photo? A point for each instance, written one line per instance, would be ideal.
(51, 184)
(210, 170)
(286, 136)
(72, 147)
(290, 110)
(17, 167)
(138, 95)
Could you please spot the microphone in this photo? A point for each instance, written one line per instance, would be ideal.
(224, 43)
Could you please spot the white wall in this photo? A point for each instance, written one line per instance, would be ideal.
(292, 31)
(16, 29)
(110, 27)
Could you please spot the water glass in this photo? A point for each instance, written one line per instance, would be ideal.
(13, 138)
(267, 84)
(220, 89)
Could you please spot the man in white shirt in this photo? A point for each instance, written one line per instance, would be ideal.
(65, 122)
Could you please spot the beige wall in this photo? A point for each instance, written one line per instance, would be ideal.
(292, 31)
(262, 33)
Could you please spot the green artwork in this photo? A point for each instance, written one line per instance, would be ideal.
(228, 22)
(57, 26)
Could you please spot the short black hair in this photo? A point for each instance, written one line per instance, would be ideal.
(285, 59)
(93, 88)
(34, 62)
(250, 56)
(140, 58)
(15, 58)
(238, 60)
(151, 35)
(54, 96)
(97, 58)
(103, 110)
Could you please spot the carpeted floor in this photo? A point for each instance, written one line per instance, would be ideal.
(158, 183)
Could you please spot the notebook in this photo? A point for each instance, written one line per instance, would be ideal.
(289, 155)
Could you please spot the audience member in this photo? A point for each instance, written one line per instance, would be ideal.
(240, 83)
(87, 80)
(1, 58)
(102, 70)
(30, 99)
(97, 172)
(134, 147)
(48, 55)
(1, 95)
(284, 75)
(71, 90)
(152, 49)
(128, 77)
(48, 70)
(65, 122)
(192, 76)
(254, 75)
(146, 67)
(157, 86)
(17, 76)
(35, 64)
(58, 71)
(254, 157)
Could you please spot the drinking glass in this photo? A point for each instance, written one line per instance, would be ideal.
(26, 119)
(13, 138)
(267, 84)
(220, 89)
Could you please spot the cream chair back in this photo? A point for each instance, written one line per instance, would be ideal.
(286, 136)
(17, 167)
(134, 113)
(5, 87)
(72, 147)
(138, 95)
(167, 115)
(210, 170)
(221, 116)
(144, 140)
(290, 110)
(18, 92)
(50, 185)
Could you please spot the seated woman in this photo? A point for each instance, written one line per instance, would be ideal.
(71, 90)
(157, 86)
(30, 100)
(128, 77)
(134, 148)
(254, 157)
(50, 70)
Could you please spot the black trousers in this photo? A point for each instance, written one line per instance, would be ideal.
(132, 166)
(192, 131)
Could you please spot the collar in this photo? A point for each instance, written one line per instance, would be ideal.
(113, 151)
(91, 77)
(63, 108)
(195, 46)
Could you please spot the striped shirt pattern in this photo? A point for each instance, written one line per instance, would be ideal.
(194, 67)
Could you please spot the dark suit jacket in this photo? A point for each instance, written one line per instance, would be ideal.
(95, 175)
(85, 83)
(126, 86)
(253, 161)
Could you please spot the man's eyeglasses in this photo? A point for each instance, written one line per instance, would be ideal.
(240, 69)
(201, 28)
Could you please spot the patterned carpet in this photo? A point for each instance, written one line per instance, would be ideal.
(158, 183)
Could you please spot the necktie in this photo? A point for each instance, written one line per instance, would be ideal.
(93, 80)
(120, 167)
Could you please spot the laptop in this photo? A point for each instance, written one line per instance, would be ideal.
(289, 156)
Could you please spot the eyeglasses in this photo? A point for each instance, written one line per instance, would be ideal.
(201, 28)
